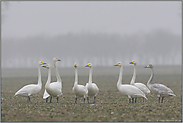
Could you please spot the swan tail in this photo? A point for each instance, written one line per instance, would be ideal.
(45, 95)
(173, 95)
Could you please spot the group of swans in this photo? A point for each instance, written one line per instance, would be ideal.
(51, 89)
(132, 90)
(90, 89)
(135, 90)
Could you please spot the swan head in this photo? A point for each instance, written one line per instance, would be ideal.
(46, 66)
(118, 64)
(75, 65)
(149, 66)
(133, 62)
(41, 63)
(88, 65)
(56, 59)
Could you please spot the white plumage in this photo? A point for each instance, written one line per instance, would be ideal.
(31, 88)
(79, 90)
(52, 89)
(130, 90)
(141, 86)
(91, 87)
(159, 89)
(54, 84)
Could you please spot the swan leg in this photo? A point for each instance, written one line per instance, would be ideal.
(135, 100)
(162, 100)
(159, 99)
(143, 100)
(88, 99)
(57, 99)
(129, 100)
(94, 99)
(76, 100)
(50, 98)
(47, 100)
(84, 100)
(28, 99)
(132, 100)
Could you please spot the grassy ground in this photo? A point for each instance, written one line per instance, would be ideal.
(110, 105)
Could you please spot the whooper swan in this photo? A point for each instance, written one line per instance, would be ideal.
(130, 90)
(91, 87)
(58, 83)
(31, 88)
(52, 89)
(79, 90)
(141, 86)
(159, 89)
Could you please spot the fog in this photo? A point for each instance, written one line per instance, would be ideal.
(158, 47)
(100, 32)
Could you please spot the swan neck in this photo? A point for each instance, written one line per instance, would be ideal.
(39, 76)
(134, 75)
(120, 75)
(151, 77)
(90, 75)
(56, 72)
(49, 77)
(76, 77)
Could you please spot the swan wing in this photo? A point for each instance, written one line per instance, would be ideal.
(28, 90)
(57, 85)
(131, 90)
(95, 86)
(162, 89)
(80, 90)
(142, 87)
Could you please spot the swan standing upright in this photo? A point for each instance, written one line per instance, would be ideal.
(141, 86)
(79, 90)
(52, 89)
(159, 89)
(58, 83)
(130, 90)
(91, 87)
(31, 88)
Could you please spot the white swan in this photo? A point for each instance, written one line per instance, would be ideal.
(159, 89)
(79, 90)
(52, 89)
(130, 90)
(141, 86)
(31, 88)
(91, 87)
(58, 83)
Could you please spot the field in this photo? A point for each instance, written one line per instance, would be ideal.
(110, 105)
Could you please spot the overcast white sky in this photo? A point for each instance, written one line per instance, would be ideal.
(30, 18)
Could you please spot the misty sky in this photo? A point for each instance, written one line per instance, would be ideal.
(101, 32)
(29, 18)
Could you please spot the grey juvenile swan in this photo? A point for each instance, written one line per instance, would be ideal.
(159, 89)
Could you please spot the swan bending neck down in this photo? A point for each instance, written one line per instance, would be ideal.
(91, 87)
(59, 81)
(159, 89)
(141, 86)
(52, 90)
(125, 89)
(79, 90)
(31, 88)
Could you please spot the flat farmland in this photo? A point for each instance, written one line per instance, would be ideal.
(110, 105)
